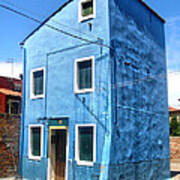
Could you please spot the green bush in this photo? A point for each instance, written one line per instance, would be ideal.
(174, 127)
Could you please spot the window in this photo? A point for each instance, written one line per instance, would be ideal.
(14, 107)
(86, 144)
(84, 75)
(86, 9)
(17, 87)
(37, 83)
(35, 141)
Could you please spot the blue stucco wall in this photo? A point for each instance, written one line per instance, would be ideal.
(60, 52)
(129, 109)
(140, 131)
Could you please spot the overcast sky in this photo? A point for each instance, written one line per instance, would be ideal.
(14, 28)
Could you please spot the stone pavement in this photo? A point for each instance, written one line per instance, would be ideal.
(175, 170)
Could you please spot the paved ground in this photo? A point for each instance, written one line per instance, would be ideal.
(175, 170)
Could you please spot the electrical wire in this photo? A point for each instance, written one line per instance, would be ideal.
(53, 27)
(43, 16)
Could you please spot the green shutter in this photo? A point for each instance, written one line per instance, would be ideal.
(85, 75)
(86, 143)
(38, 82)
(35, 141)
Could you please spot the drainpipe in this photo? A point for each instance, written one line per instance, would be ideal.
(21, 145)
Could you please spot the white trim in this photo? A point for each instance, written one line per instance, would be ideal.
(67, 150)
(91, 16)
(85, 163)
(76, 89)
(29, 142)
(67, 153)
(32, 95)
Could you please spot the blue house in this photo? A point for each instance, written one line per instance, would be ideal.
(95, 94)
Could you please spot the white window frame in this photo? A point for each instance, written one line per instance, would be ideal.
(29, 142)
(76, 89)
(91, 16)
(85, 163)
(32, 95)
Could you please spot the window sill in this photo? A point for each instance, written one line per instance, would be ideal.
(37, 97)
(37, 158)
(85, 163)
(85, 18)
(78, 91)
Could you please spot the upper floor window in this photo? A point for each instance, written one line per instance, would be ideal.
(17, 87)
(86, 9)
(37, 83)
(14, 107)
(84, 75)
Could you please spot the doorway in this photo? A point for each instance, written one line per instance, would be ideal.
(58, 153)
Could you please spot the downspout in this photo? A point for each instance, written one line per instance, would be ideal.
(21, 145)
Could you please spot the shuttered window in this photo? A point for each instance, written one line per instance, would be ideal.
(38, 82)
(87, 8)
(85, 75)
(35, 141)
(86, 143)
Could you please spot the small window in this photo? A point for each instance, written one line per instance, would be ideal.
(35, 141)
(17, 87)
(84, 75)
(37, 83)
(14, 107)
(86, 9)
(85, 144)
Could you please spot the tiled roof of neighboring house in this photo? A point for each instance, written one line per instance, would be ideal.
(65, 2)
(9, 92)
(172, 109)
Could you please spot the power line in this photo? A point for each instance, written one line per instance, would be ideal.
(52, 27)
(43, 16)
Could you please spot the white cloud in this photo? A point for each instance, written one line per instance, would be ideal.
(11, 70)
(174, 89)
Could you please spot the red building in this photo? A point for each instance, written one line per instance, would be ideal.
(10, 95)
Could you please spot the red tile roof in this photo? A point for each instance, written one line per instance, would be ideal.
(9, 92)
(172, 109)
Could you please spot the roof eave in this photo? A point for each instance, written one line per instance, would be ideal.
(155, 13)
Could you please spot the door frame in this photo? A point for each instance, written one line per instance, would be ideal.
(67, 148)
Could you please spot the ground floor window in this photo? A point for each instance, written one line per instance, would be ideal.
(85, 144)
(35, 141)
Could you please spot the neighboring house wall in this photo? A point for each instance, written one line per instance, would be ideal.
(175, 148)
(2, 103)
(140, 131)
(10, 83)
(9, 145)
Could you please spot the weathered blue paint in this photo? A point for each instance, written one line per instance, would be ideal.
(21, 144)
(129, 104)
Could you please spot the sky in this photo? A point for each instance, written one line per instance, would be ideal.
(15, 28)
